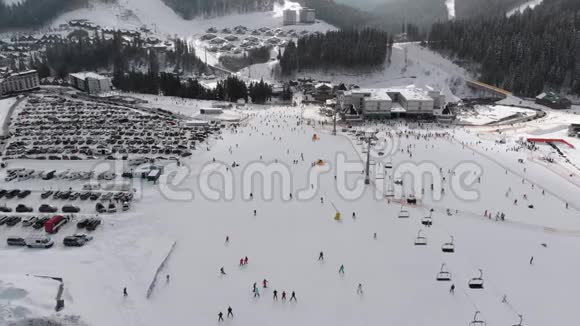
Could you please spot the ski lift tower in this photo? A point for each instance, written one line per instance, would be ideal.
(369, 134)
(334, 121)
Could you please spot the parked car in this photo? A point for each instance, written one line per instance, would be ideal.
(3, 219)
(12, 193)
(23, 194)
(70, 209)
(85, 195)
(40, 242)
(5, 209)
(95, 195)
(83, 223)
(46, 194)
(12, 221)
(16, 241)
(100, 208)
(39, 224)
(77, 240)
(29, 221)
(45, 208)
(112, 208)
(93, 224)
(21, 208)
(54, 224)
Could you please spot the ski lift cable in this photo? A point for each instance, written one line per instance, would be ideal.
(490, 288)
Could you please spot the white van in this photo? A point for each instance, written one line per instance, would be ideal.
(40, 242)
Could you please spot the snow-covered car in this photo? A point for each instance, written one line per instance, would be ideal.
(29, 221)
(77, 240)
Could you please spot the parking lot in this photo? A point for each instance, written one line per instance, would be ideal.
(54, 127)
(70, 166)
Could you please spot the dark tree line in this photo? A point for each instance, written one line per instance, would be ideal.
(260, 92)
(231, 89)
(100, 53)
(346, 49)
(189, 9)
(525, 53)
(389, 16)
(339, 15)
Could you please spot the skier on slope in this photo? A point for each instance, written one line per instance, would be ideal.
(275, 295)
(222, 271)
(359, 289)
(293, 296)
(265, 283)
(341, 269)
(283, 295)
(321, 256)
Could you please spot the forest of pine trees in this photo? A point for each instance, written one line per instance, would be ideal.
(336, 49)
(526, 53)
(66, 57)
(189, 9)
(231, 89)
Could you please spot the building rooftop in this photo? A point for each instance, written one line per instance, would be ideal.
(372, 94)
(85, 75)
(412, 94)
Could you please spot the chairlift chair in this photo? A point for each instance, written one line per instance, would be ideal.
(390, 190)
(427, 220)
(389, 164)
(420, 240)
(412, 200)
(448, 247)
(404, 213)
(443, 275)
(476, 282)
(476, 321)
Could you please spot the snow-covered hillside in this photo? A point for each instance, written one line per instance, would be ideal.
(162, 19)
(411, 64)
(450, 4)
(521, 8)
(12, 2)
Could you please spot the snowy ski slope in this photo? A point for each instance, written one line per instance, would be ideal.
(284, 239)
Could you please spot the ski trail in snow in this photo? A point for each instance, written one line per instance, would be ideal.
(450, 4)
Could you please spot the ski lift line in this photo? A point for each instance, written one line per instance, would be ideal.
(447, 231)
(487, 286)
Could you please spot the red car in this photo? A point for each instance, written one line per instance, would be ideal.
(55, 223)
